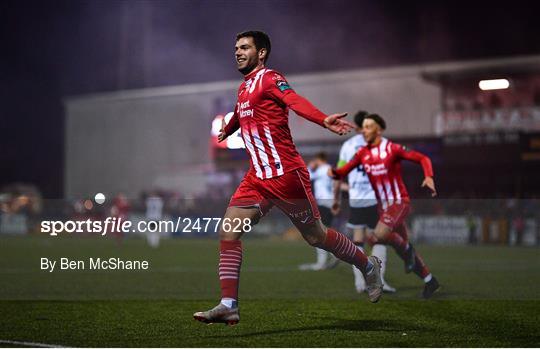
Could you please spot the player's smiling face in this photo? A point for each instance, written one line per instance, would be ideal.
(247, 56)
(370, 130)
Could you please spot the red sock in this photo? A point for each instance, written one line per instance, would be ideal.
(420, 268)
(230, 259)
(344, 249)
(398, 243)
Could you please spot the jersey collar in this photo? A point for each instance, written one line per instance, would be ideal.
(252, 74)
(369, 146)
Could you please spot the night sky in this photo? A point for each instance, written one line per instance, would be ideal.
(52, 49)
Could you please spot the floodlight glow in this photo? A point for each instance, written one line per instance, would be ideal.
(496, 84)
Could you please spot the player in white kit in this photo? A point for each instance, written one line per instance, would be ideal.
(323, 191)
(154, 213)
(363, 214)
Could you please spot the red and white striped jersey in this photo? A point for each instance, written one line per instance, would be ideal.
(262, 112)
(382, 164)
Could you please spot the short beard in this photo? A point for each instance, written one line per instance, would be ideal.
(248, 69)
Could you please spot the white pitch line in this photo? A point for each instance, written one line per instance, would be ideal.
(31, 344)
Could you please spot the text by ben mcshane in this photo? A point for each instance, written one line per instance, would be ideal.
(112, 263)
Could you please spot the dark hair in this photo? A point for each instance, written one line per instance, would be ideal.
(359, 117)
(378, 119)
(260, 39)
(322, 155)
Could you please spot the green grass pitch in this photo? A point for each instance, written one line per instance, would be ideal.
(490, 297)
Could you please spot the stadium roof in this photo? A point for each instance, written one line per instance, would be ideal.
(482, 69)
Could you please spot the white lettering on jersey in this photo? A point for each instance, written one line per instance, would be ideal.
(377, 170)
(244, 112)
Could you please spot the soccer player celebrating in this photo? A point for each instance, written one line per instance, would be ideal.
(381, 159)
(277, 175)
(362, 202)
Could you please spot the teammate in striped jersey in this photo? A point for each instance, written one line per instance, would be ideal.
(381, 159)
(362, 203)
(277, 175)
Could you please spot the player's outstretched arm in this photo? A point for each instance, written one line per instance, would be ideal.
(340, 173)
(228, 129)
(277, 87)
(422, 159)
(305, 109)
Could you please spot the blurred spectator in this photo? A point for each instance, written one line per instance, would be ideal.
(519, 228)
(20, 207)
(154, 213)
(471, 225)
(120, 210)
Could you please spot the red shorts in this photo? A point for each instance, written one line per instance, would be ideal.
(395, 214)
(290, 192)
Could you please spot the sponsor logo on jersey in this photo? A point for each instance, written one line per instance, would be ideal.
(376, 170)
(244, 112)
(302, 215)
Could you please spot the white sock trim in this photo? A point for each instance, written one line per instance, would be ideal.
(228, 302)
(428, 278)
(322, 255)
(359, 282)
